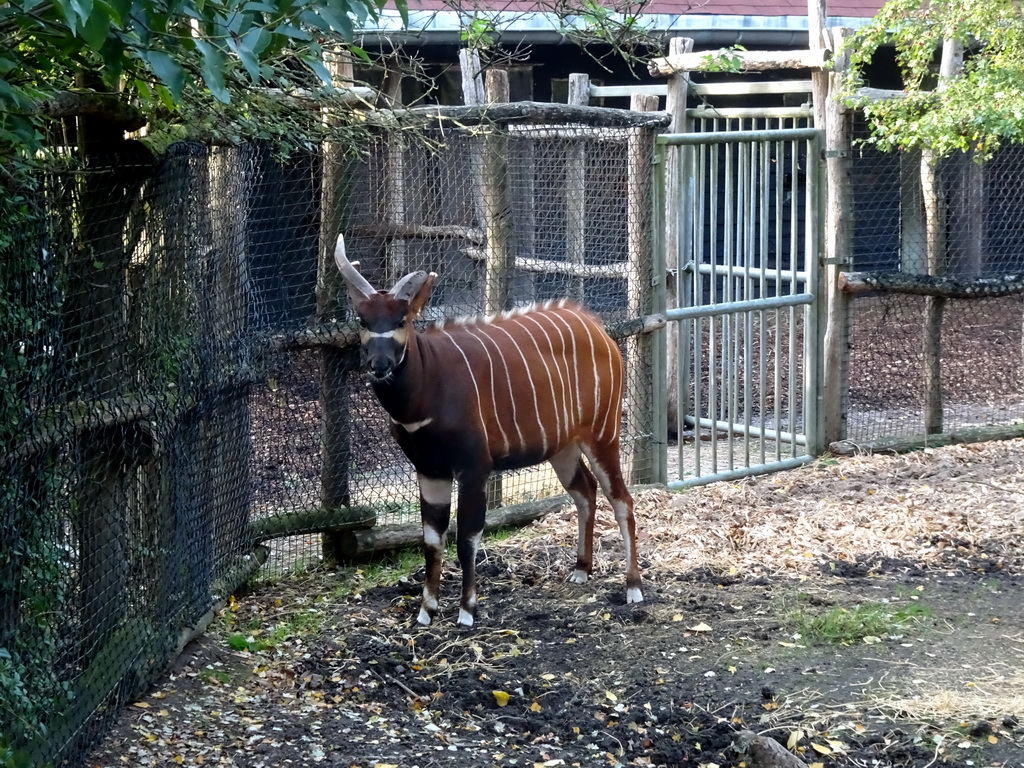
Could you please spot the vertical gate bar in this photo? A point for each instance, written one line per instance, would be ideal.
(780, 254)
(699, 177)
(684, 261)
(659, 380)
(749, 262)
(731, 337)
(796, 250)
(762, 291)
(712, 352)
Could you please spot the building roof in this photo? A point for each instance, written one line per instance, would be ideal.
(708, 22)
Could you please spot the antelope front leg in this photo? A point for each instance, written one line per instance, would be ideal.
(472, 512)
(435, 512)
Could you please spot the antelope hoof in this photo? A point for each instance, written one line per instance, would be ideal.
(634, 595)
(424, 618)
(465, 618)
(578, 577)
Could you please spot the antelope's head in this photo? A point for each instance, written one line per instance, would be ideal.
(385, 318)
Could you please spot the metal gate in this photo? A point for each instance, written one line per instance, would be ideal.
(743, 236)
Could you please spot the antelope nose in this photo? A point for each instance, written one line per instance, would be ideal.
(380, 368)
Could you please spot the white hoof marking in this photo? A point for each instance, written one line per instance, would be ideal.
(465, 618)
(634, 595)
(578, 577)
(424, 617)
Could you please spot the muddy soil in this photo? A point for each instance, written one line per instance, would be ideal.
(742, 582)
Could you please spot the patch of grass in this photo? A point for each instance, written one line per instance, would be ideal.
(214, 676)
(842, 626)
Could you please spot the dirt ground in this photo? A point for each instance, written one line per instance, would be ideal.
(747, 585)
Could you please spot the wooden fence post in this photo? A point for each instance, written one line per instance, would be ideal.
(675, 105)
(640, 290)
(576, 192)
(935, 224)
(336, 365)
(499, 261)
(837, 246)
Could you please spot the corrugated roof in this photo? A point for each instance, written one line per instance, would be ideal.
(837, 8)
(718, 22)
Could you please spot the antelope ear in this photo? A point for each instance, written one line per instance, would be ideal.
(414, 288)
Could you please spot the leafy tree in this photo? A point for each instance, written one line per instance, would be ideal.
(974, 111)
(161, 54)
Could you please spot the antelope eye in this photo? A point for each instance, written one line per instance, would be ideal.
(362, 323)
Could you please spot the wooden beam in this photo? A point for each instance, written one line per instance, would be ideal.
(527, 112)
(746, 61)
(931, 285)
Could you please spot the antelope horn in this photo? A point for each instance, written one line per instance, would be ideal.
(407, 287)
(358, 286)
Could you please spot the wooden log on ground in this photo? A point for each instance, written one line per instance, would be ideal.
(363, 543)
(313, 520)
(765, 752)
(919, 442)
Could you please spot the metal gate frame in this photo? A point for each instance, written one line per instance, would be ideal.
(763, 447)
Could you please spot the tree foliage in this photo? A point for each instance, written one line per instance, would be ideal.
(975, 111)
(161, 54)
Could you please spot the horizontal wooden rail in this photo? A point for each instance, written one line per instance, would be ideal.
(931, 285)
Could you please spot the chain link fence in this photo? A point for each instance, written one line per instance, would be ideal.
(183, 402)
(935, 344)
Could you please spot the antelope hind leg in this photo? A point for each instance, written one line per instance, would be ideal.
(581, 485)
(604, 460)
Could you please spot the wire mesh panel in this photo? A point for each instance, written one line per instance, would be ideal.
(127, 492)
(182, 392)
(949, 362)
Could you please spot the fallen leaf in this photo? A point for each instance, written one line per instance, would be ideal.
(702, 627)
(500, 697)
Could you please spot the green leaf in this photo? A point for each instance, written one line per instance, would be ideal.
(212, 67)
(295, 33)
(338, 22)
(70, 16)
(96, 28)
(167, 71)
(246, 55)
(256, 40)
(82, 9)
(317, 65)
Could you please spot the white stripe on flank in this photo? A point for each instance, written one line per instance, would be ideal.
(574, 368)
(597, 379)
(472, 378)
(555, 398)
(551, 378)
(571, 366)
(560, 358)
(529, 379)
(494, 401)
(485, 335)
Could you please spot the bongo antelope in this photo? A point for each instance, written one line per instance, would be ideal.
(471, 396)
